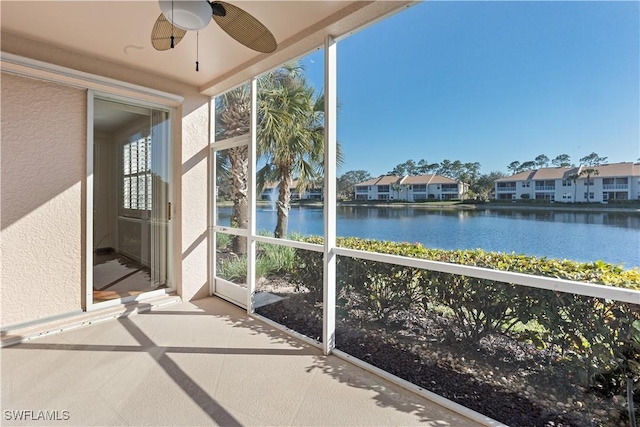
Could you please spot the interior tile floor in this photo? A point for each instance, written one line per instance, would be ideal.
(116, 276)
(198, 363)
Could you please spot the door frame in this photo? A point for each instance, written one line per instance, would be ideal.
(225, 289)
(88, 303)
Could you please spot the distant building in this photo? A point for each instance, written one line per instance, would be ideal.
(616, 181)
(410, 188)
(270, 192)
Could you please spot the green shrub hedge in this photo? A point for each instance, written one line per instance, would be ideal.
(597, 330)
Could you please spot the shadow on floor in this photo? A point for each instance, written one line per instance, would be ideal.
(386, 395)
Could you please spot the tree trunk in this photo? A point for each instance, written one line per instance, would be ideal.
(239, 190)
(283, 206)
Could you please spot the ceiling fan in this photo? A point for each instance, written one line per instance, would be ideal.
(179, 16)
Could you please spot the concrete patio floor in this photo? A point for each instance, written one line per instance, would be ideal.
(199, 363)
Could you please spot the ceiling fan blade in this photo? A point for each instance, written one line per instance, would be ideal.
(161, 34)
(244, 28)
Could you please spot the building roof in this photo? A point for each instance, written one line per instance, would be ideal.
(418, 179)
(439, 179)
(618, 169)
(554, 173)
(381, 180)
(428, 179)
(409, 180)
(270, 185)
(610, 170)
(522, 176)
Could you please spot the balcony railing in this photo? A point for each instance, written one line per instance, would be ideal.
(476, 334)
(615, 187)
(506, 189)
(545, 188)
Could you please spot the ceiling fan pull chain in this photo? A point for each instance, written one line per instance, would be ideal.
(197, 50)
(172, 45)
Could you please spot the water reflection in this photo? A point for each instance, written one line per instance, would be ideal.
(581, 236)
(615, 219)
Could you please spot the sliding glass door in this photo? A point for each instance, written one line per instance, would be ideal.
(130, 199)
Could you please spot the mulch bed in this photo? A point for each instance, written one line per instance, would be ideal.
(500, 378)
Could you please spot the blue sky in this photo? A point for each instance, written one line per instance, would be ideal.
(491, 82)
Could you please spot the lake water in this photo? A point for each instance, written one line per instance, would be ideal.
(581, 236)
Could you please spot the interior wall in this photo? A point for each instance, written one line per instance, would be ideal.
(128, 231)
(42, 172)
(105, 192)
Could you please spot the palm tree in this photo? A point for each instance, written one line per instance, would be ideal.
(589, 172)
(397, 188)
(290, 138)
(290, 135)
(235, 120)
(574, 177)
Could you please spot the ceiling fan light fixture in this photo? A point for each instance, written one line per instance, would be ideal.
(180, 16)
(188, 15)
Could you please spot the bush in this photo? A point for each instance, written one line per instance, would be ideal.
(601, 336)
(383, 288)
(276, 259)
(308, 264)
(590, 328)
(233, 270)
(223, 240)
(271, 259)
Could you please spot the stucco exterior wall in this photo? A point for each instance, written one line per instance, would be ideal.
(193, 192)
(189, 241)
(42, 169)
(189, 154)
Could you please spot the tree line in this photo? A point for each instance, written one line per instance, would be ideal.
(561, 161)
(480, 184)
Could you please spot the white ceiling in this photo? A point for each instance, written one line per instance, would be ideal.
(119, 32)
